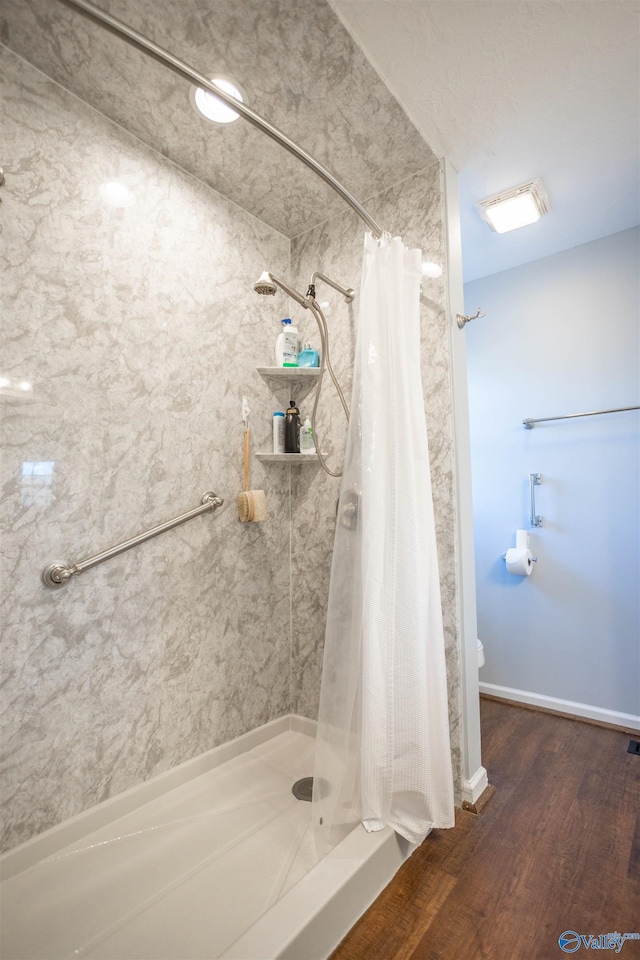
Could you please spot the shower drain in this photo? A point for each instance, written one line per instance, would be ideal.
(303, 789)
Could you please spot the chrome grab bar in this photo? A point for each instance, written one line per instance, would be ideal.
(534, 481)
(59, 573)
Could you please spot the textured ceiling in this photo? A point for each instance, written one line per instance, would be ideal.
(517, 89)
(299, 69)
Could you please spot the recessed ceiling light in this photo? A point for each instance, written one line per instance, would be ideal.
(212, 107)
(515, 208)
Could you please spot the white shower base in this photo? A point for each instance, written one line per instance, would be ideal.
(213, 859)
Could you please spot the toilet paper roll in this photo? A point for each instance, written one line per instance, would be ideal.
(519, 562)
(522, 539)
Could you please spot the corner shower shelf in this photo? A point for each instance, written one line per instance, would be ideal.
(299, 381)
(308, 458)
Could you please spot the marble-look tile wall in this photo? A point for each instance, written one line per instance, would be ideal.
(138, 332)
(413, 210)
(299, 68)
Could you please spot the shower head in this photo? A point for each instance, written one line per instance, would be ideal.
(267, 284)
(264, 285)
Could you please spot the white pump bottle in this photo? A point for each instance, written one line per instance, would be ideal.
(287, 345)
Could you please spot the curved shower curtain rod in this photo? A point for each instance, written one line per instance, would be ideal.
(188, 73)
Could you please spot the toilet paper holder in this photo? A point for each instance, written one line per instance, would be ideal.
(519, 554)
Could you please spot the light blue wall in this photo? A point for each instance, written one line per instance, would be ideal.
(560, 336)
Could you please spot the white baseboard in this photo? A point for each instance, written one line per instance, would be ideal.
(562, 706)
(473, 788)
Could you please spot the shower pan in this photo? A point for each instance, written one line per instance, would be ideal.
(213, 859)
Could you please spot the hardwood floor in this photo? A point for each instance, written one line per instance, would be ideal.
(556, 848)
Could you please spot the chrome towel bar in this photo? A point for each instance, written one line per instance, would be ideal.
(59, 573)
(528, 423)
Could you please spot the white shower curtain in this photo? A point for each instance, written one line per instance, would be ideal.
(383, 754)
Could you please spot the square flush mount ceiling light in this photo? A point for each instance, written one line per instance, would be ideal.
(515, 208)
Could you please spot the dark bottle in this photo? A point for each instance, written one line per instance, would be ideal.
(292, 429)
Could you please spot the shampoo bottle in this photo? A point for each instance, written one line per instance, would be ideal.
(287, 345)
(292, 429)
(278, 432)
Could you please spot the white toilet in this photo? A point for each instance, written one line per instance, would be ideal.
(480, 655)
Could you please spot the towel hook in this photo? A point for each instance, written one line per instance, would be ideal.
(463, 318)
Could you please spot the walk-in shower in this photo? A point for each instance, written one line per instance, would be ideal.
(217, 628)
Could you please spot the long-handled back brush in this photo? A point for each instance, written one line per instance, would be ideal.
(252, 504)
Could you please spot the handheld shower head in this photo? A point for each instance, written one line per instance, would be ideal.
(264, 285)
(267, 284)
